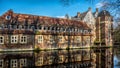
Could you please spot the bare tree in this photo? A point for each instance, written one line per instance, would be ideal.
(113, 6)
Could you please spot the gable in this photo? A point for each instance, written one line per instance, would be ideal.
(89, 18)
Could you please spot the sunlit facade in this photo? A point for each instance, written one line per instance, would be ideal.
(101, 23)
(24, 31)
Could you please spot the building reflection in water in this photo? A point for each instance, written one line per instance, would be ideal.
(104, 58)
(82, 58)
(64, 58)
(16, 59)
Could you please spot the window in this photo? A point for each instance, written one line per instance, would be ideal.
(58, 29)
(40, 39)
(51, 28)
(14, 63)
(23, 27)
(10, 26)
(39, 27)
(1, 39)
(54, 29)
(51, 39)
(61, 58)
(1, 63)
(48, 28)
(40, 61)
(78, 57)
(72, 29)
(77, 39)
(8, 17)
(75, 29)
(50, 59)
(32, 27)
(23, 62)
(61, 29)
(5, 26)
(14, 39)
(20, 26)
(45, 28)
(60, 38)
(23, 39)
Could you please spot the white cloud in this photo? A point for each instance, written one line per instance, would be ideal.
(60, 16)
(102, 4)
(99, 5)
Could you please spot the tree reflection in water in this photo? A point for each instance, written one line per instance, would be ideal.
(75, 58)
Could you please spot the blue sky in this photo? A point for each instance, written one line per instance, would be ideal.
(52, 8)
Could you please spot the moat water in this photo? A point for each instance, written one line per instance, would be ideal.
(75, 58)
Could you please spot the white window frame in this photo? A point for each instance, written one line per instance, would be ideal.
(23, 39)
(40, 39)
(23, 62)
(40, 61)
(14, 38)
(14, 63)
(2, 40)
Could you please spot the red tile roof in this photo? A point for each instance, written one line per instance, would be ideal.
(40, 20)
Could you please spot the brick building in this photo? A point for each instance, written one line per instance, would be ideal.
(24, 31)
(101, 23)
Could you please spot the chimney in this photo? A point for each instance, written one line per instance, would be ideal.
(89, 9)
(67, 16)
(96, 9)
(78, 14)
(10, 12)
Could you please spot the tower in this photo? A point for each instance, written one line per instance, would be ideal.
(104, 27)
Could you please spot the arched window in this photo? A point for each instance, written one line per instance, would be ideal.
(32, 27)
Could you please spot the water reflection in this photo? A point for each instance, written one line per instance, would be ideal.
(117, 58)
(64, 58)
(16, 59)
(76, 58)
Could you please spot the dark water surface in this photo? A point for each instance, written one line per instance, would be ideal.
(76, 58)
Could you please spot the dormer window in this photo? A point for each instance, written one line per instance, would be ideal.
(8, 17)
(17, 27)
(72, 29)
(5, 26)
(32, 27)
(54, 28)
(48, 28)
(9, 26)
(45, 28)
(0, 27)
(39, 27)
(20, 26)
(51, 28)
(75, 29)
(58, 29)
(23, 27)
(61, 29)
(28, 27)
